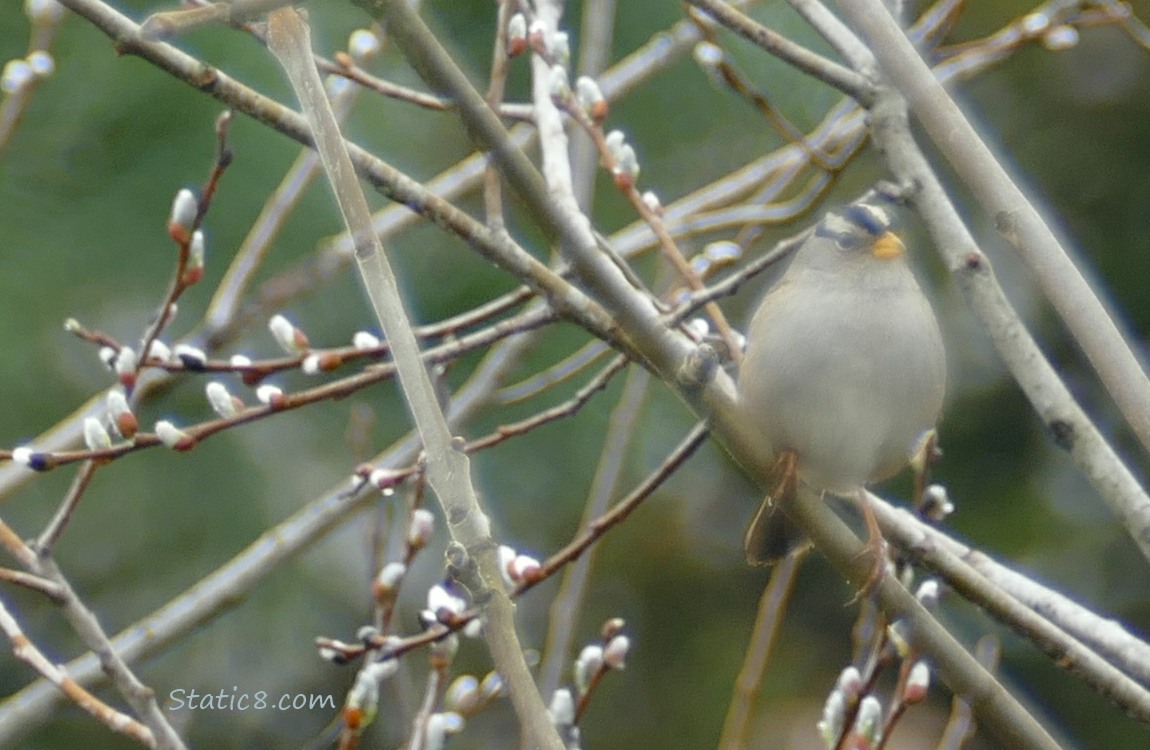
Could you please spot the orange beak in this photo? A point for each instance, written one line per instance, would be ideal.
(888, 246)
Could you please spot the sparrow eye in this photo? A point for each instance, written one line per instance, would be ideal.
(846, 242)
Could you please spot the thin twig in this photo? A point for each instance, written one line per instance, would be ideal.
(563, 614)
(827, 71)
(25, 650)
(768, 621)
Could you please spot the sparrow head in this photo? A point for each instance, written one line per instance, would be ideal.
(862, 227)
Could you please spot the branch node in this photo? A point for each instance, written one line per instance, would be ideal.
(699, 368)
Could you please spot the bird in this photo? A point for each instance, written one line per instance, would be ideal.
(844, 370)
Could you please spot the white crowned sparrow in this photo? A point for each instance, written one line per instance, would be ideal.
(844, 369)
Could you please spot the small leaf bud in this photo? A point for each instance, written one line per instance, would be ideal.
(560, 48)
(492, 686)
(830, 726)
(388, 580)
(271, 395)
(125, 366)
(615, 653)
(591, 98)
(173, 437)
(363, 45)
(42, 63)
(462, 695)
(122, 417)
(850, 684)
(43, 11)
(420, 529)
(159, 351)
(364, 340)
(194, 271)
(586, 666)
(95, 436)
(652, 202)
(222, 402)
(558, 85)
(291, 339)
(16, 75)
(917, 683)
(193, 358)
(868, 722)
(562, 708)
(516, 35)
(185, 208)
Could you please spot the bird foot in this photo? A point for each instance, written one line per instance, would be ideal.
(875, 548)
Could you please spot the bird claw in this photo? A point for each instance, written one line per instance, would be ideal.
(875, 548)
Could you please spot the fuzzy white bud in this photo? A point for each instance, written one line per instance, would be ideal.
(560, 48)
(117, 403)
(439, 599)
(437, 729)
(364, 340)
(558, 84)
(868, 722)
(286, 335)
(917, 683)
(928, 593)
(615, 653)
(96, 437)
(364, 693)
(390, 575)
(850, 683)
(196, 250)
(627, 162)
(220, 399)
(16, 75)
(268, 393)
(108, 356)
(192, 357)
(381, 670)
(170, 435)
(830, 726)
(708, 54)
(41, 63)
(492, 686)
(1059, 38)
(420, 529)
(462, 695)
(1035, 23)
(337, 86)
(185, 207)
(587, 665)
(590, 97)
(159, 351)
(516, 34)
(126, 361)
(562, 708)
(43, 11)
(363, 45)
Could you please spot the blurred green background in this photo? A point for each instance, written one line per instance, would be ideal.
(85, 188)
